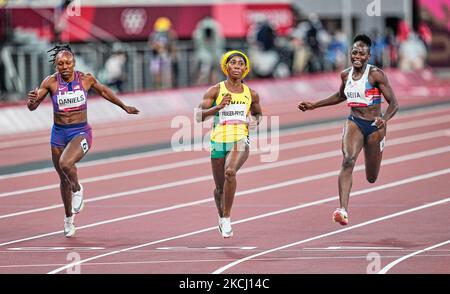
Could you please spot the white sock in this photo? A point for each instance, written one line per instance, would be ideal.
(70, 218)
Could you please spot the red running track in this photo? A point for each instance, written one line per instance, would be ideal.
(155, 213)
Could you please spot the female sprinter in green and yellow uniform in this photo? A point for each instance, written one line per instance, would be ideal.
(235, 108)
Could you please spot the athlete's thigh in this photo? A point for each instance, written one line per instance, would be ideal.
(76, 149)
(373, 150)
(237, 156)
(352, 140)
(56, 155)
(218, 169)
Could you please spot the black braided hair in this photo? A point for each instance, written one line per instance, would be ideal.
(58, 48)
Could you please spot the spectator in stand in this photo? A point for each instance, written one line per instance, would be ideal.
(425, 34)
(263, 52)
(301, 52)
(392, 48)
(412, 53)
(378, 49)
(337, 51)
(402, 31)
(164, 60)
(115, 69)
(317, 39)
(209, 47)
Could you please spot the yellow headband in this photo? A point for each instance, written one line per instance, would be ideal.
(227, 55)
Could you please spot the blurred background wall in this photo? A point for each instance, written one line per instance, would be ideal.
(138, 45)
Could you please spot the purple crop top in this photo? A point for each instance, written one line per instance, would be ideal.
(69, 96)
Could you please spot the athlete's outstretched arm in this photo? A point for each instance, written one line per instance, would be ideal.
(333, 99)
(108, 94)
(206, 107)
(36, 96)
(382, 82)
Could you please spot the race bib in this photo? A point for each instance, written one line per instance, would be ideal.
(84, 145)
(382, 143)
(233, 113)
(70, 100)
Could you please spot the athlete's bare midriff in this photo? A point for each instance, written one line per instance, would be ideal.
(73, 117)
(366, 112)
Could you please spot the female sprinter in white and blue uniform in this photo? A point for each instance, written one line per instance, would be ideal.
(71, 134)
(362, 86)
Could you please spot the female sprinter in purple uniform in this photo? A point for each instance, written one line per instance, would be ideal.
(71, 136)
(362, 86)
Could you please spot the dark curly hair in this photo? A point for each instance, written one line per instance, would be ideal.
(58, 48)
(363, 38)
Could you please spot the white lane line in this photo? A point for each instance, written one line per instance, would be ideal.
(386, 217)
(184, 261)
(361, 192)
(111, 160)
(247, 192)
(205, 159)
(181, 261)
(158, 168)
(138, 126)
(184, 248)
(300, 130)
(355, 248)
(99, 133)
(144, 125)
(58, 248)
(166, 151)
(255, 169)
(397, 261)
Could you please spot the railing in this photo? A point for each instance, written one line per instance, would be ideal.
(29, 67)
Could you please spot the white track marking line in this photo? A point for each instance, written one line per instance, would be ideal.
(354, 248)
(136, 126)
(181, 261)
(300, 130)
(98, 134)
(397, 261)
(143, 126)
(166, 151)
(386, 217)
(361, 192)
(184, 261)
(255, 169)
(247, 192)
(158, 168)
(152, 169)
